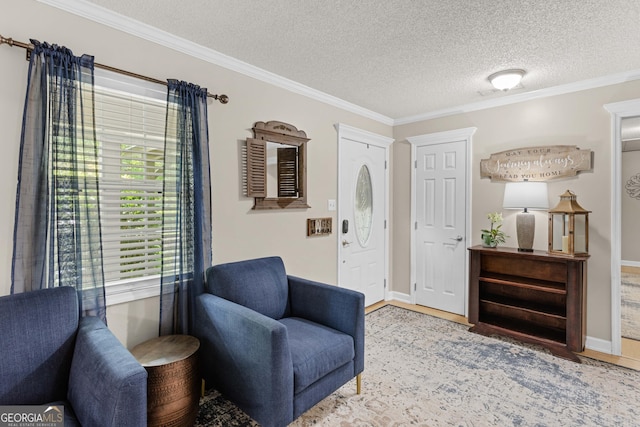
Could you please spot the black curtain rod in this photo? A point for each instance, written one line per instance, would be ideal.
(223, 99)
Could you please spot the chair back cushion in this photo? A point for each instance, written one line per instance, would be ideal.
(37, 332)
(259, 284)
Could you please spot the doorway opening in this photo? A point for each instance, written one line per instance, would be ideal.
(623, 115)
(630, 250)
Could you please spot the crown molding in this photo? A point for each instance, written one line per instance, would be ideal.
(527, 96)
(136, 28)
(442, 137)
(358, 135)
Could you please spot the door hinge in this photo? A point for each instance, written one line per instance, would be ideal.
(415, 225)
(415, 164)
(415, 286)
(385, 224)
(385, 283)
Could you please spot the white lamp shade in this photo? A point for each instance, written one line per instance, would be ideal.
(526, 194)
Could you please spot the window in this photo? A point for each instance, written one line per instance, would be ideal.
(130, 116)
(363, 208)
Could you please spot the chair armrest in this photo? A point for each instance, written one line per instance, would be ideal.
(338, 308)
(107, 385)
(246, 356)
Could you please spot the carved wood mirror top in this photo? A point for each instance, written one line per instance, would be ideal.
(277, 166)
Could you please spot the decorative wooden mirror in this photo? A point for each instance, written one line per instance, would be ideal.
(277, 166)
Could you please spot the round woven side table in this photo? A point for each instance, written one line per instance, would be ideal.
(173, 384)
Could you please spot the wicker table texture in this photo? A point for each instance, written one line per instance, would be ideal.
(173, 385)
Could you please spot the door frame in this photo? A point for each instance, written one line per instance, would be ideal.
(346, 132)
(618, 111)
(463, 134)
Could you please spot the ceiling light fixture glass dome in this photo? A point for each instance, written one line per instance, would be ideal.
(507, 79)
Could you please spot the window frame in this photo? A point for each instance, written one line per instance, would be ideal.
(130, 289)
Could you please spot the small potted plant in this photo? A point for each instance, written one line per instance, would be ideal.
(493, 236)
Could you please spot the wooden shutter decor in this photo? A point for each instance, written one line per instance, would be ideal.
(256, 168)
(291, 169)
(288, 172)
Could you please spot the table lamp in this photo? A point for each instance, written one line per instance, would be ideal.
(525, 195)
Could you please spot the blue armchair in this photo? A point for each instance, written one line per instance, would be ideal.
(49, 355)
(274, 344)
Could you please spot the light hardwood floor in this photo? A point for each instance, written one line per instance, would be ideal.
(630, 348)
(628, 269)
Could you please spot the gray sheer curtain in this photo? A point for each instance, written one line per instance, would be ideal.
(186, 222)
(57, 238)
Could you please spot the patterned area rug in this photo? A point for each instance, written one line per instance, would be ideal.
(425, 371)
(630, 308)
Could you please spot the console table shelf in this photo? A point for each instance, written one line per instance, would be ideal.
(516, 281)
(530, 296)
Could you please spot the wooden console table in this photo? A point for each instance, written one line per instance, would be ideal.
(173, 384)
(533, 297)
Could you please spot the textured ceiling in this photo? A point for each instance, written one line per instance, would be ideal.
(402, 58)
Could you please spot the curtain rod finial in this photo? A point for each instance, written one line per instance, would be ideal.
(11, 42)
(224, 99)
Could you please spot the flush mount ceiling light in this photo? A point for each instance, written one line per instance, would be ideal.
(507, 79)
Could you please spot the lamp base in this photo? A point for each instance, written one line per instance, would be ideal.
(525, 229)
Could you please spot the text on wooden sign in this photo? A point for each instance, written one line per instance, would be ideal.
(536, 163)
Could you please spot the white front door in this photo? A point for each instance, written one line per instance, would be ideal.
(440, 227)
(362, 217)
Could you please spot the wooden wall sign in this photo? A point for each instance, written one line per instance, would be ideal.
(536, 163)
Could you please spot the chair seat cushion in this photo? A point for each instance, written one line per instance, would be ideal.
(316, 350)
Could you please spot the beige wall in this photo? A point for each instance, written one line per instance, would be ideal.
(630, 209)
(238, 232)
(573, 119)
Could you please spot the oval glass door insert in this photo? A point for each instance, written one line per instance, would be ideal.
(363, 209)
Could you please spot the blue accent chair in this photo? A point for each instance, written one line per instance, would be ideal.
(49, 355)
(274, 344)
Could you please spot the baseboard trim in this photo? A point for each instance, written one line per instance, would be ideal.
(630, 263)
(398, 296)
(599, 345)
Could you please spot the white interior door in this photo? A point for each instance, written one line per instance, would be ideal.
(362, 233)
(440, 225)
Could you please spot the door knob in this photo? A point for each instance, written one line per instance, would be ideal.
(457, 238)
(345, 243)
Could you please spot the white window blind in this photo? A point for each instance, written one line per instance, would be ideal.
(130, 117)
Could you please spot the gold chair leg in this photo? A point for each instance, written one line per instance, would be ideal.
(359, 383)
